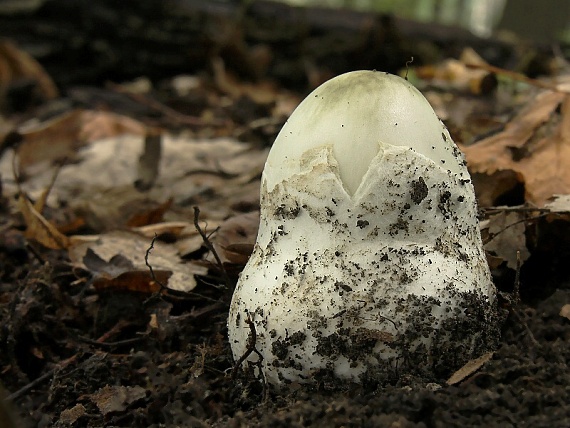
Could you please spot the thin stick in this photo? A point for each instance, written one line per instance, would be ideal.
(517, 285)
(147, 254)
(250, 346)
(492, 210)
(517, 301)
(210, 247)
(37, 381)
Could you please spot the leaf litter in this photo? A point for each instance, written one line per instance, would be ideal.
(80, 304)
(534, 144)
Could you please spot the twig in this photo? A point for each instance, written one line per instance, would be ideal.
(146, 262)
(517, 301)
(110, 344)
(252, 340)
(517, 284)
(210, 247)
(408, 63)
(493, 210)
(526, 327)
(37, 381)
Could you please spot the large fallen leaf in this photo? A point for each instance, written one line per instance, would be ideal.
(119, 274)
(535, 145)
(192, 172)
(117, 259)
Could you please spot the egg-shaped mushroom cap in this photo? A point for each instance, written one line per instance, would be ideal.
(356, 113)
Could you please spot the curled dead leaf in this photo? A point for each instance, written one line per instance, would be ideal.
(535, 145)
(38, 228)
(469, 368)
(16, 64)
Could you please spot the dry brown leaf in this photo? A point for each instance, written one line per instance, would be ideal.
(455, 74)
(565, 312)
(98, 125)
(119, 274)
(70, 416)
(38, 228)
(238, 254)
(119, 257)
(110, 209)
(49, 141)
(151, 216)
(61, 137)
(174, 228)
(469, 368)
(15, 64)
(534, 145)
(235, 238)
(110, 399)
(507, 233)
(138, 281)
(187, 238)
(193, 172)
(153, 322)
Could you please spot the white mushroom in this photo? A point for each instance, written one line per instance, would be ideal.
(368, 262)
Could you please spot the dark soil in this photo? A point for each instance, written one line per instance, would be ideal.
(182, 371)
(72, 355)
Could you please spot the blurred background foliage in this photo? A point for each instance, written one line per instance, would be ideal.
(539, 21)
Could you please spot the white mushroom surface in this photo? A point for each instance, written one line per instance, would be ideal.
(368, 263)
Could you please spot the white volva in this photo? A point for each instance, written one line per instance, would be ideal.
(368, 262)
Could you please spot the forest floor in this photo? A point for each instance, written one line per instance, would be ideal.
(111, 180)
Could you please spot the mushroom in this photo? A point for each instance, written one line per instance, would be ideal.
(368, 263)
